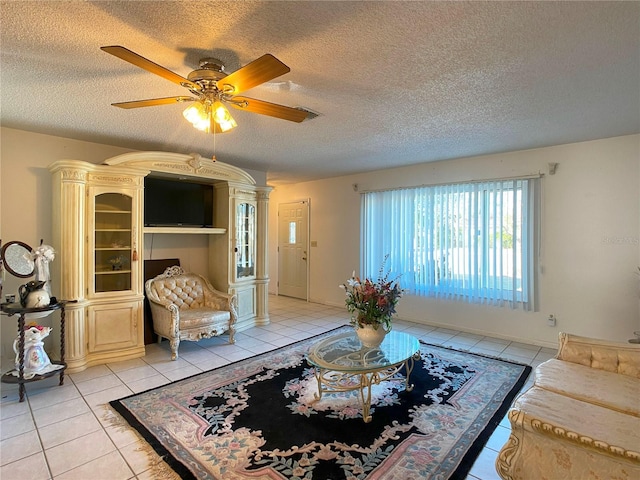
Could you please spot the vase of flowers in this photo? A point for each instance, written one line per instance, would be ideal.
(372, 304)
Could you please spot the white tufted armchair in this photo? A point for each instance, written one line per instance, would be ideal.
(185, 306)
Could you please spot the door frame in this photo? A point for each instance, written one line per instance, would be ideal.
(307, 202)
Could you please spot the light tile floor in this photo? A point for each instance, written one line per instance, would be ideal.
(63, 432)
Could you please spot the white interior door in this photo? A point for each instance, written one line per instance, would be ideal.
(293, 227)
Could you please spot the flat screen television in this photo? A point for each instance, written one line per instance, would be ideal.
(177, 203)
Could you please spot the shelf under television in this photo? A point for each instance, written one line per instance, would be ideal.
(186, 230)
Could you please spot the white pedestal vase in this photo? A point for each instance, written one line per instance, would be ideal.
(369, 336)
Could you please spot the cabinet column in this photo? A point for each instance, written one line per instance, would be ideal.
(69, 192)
(262, 263)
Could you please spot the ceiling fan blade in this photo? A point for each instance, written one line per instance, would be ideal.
(266, 108)
(139, 61)
(261, 70)
(153, 101)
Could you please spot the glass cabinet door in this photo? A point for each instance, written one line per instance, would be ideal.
(112, 242)
(245, 240)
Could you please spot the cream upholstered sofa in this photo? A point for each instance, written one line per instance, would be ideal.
(581, 418)
(185, 306)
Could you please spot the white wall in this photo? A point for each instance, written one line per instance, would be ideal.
(25, 205)
(590, 238)
(589, 243)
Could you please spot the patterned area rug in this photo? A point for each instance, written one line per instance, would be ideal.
(256, 419)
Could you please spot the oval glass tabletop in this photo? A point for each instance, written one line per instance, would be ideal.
(345, 353)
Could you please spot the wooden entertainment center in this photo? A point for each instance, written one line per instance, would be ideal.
(99, 235)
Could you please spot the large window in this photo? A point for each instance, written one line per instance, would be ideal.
(469, 241)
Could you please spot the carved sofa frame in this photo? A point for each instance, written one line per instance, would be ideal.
(185, 306)
(581, 417)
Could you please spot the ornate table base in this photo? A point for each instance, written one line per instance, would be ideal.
(330, 381)
(342, 364)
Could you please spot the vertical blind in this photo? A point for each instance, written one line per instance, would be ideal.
(469, 241)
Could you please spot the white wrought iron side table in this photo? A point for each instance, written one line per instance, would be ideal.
(343, 364)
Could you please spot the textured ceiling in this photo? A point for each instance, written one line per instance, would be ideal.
(395, 83)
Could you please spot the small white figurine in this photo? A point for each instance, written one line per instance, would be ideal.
(36, 360)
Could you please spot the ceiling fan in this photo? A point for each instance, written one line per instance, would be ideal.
(211, 88)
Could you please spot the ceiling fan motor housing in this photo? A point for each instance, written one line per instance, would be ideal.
(210, 72)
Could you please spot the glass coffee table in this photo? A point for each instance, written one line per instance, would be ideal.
(343, 364)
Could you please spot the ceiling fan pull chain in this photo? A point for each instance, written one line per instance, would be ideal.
(214, 137)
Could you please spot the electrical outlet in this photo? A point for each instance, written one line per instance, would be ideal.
(551, 321)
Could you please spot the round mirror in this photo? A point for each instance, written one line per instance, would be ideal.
(16, 257)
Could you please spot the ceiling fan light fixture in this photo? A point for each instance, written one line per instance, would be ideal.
(222, 117)
(203, 125)
(201, 114)
(226, 126)
(196, 114)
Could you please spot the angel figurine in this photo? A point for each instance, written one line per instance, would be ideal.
(41, 257)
